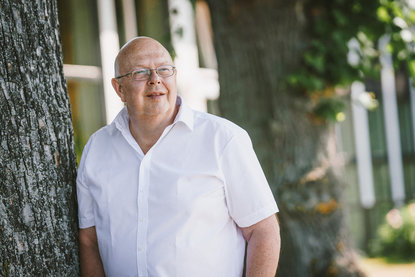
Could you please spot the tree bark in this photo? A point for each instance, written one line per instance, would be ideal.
(258, 43)
(38, 225)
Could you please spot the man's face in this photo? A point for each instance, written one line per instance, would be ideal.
(155, 96)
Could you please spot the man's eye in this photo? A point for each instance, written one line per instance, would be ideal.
(140, 72)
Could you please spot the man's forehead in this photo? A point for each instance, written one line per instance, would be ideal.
(144, 47)
(144, 50)
(152, 52)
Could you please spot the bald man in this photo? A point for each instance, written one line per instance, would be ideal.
(168, 191)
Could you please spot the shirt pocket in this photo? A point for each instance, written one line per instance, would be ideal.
(203, 210)
(194, 190)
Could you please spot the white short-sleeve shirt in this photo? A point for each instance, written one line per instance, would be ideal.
(175, 211)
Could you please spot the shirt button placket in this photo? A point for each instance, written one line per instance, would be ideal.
(142, 222)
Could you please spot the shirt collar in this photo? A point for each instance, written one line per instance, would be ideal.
(184, 115)
(122, 119)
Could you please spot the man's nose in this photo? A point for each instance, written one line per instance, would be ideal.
(154, 78)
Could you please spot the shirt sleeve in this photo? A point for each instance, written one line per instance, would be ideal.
(85, 200)
(248, 194)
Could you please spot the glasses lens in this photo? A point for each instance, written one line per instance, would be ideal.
(165, 70)
(144, 73)
(140, 74)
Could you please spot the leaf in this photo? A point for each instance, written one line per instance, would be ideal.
(316, 61)
(329, 108)
(383, 14)
(340, 18)
(411, 68)
(411, 16)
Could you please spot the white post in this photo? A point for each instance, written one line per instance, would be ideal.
(390, 109)
(362, 143)
(109, 44)
(205, 34)
(130, 16)
(195, 84)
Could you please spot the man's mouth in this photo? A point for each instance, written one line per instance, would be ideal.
(155, 94)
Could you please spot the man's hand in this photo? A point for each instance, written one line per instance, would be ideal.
(91, 264)
(264, 245)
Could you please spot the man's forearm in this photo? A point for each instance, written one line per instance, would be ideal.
(91, 264)
(263, 252)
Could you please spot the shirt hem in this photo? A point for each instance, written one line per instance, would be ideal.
(258, 216)
(86, 224)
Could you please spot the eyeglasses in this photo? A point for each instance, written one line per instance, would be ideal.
(144, 73)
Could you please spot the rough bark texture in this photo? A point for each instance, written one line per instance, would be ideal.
(38, 226)
(257, 44)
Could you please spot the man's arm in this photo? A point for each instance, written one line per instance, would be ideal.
(264, 245)
(91, 264)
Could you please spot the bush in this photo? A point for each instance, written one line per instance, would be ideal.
(396, 235)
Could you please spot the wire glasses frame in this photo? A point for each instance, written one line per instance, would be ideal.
(144, 73)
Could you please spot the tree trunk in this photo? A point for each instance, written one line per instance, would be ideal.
(258, 43)
(38, 225)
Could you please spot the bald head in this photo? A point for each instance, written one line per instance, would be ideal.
(144, 46)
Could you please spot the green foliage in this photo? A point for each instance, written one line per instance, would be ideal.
(396, 236)
(399, 18)
(332, 24)
(330, 109)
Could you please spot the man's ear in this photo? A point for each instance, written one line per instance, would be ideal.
(116, 84)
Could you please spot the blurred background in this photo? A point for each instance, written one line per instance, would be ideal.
(374, 129)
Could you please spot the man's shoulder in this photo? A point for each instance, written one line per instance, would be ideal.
(103, 135)
(105, 131)
(119, 124)
(210, 122)
(100, 145)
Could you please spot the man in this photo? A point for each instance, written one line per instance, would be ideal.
(167, 191)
